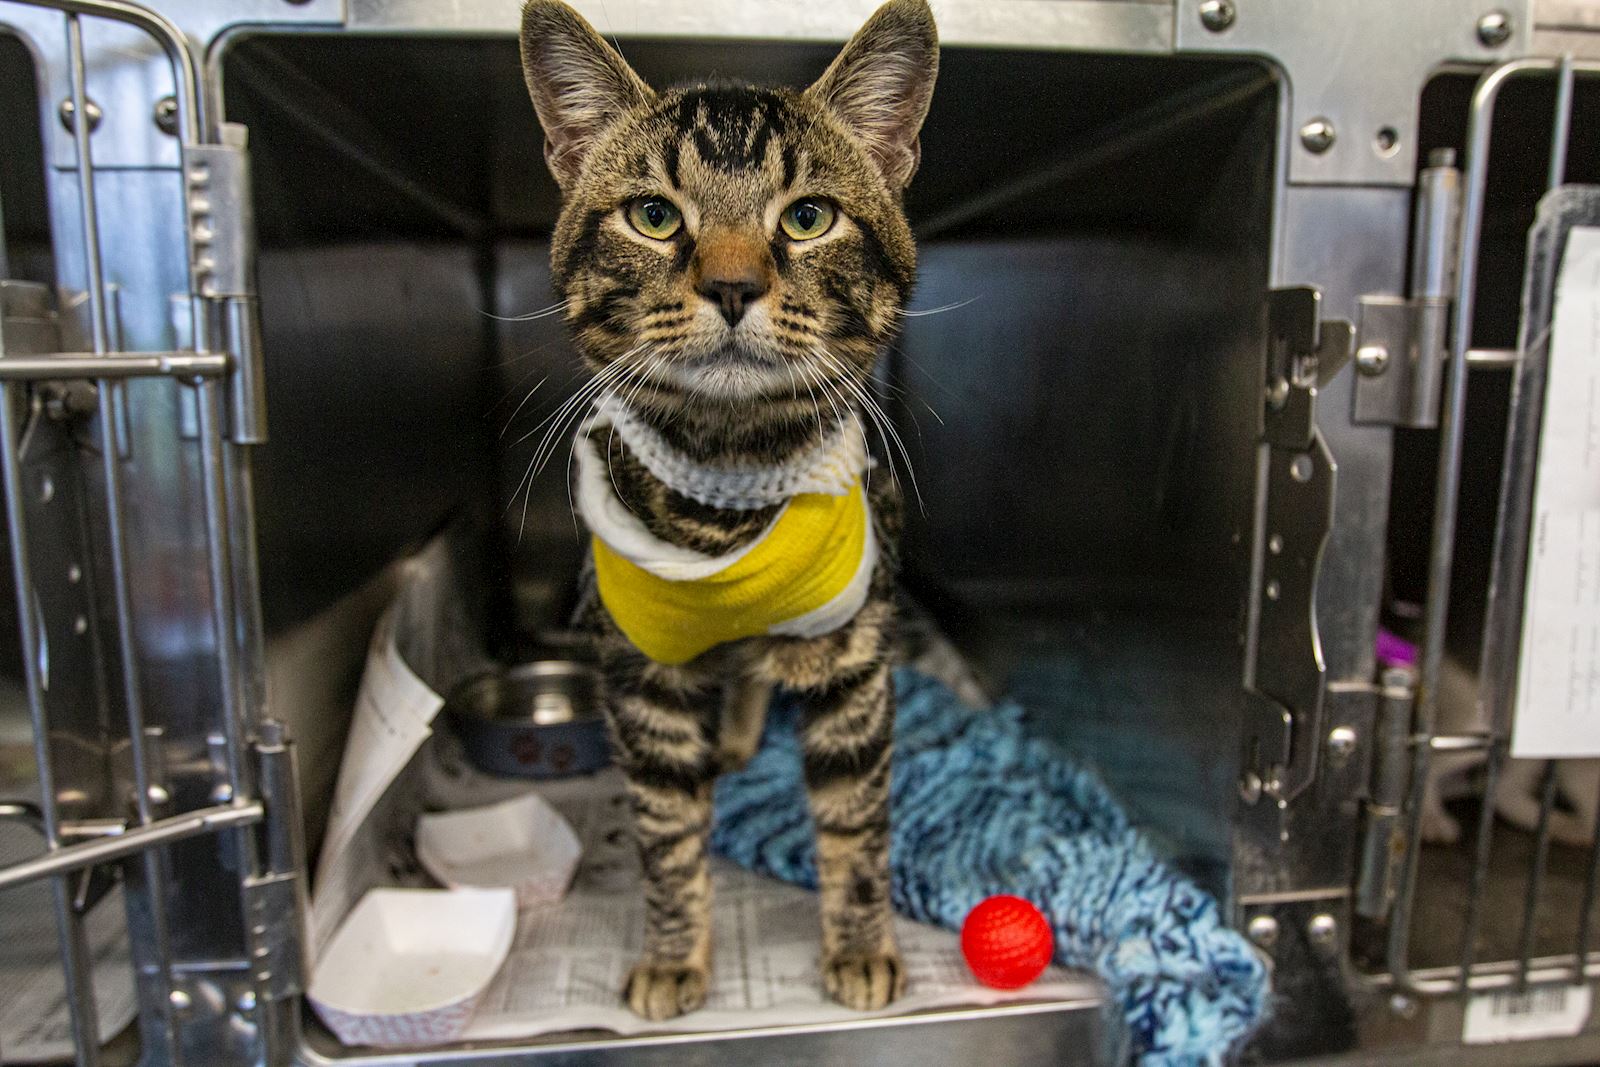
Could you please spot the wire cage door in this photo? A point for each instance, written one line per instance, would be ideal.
(130, 397)
(1395, 883)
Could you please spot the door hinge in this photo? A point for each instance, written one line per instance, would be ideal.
(1383, 843)
(222, 268)
(275, 897)
(1402, 342)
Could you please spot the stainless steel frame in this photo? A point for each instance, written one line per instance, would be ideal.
(204, 819)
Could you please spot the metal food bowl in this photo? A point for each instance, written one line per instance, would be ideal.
(535, 720)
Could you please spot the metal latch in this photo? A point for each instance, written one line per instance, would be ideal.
(1294, 511)
(1401, 342)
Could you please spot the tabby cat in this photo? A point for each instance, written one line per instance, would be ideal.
(732, 260)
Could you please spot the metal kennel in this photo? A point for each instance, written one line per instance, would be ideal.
(1232, 294)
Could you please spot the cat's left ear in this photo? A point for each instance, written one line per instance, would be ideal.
(880, 85)
(578, 82)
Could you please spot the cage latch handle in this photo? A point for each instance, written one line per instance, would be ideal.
(1294, 511)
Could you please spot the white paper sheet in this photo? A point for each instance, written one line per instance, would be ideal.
(1558, 690)
(569, 960)
(393, 713)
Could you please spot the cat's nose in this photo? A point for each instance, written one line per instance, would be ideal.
(732, 269)
(733, 295)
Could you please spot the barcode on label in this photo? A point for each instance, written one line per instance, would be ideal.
(1506, 1015)
(1553, 999)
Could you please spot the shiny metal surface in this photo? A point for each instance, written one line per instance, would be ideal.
(1502, 624)
(1101, 25)
(1363, 112)
(1089, 365)
(1072, 1032)
(130, 842)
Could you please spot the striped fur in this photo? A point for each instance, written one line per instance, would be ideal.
(752, 385)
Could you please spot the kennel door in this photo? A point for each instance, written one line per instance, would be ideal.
(130, 397)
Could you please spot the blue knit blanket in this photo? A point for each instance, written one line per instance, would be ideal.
(980, 808)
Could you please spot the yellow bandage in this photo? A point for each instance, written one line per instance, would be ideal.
(804, 576)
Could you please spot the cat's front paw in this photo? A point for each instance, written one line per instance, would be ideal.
(659, 990)
(864, 982)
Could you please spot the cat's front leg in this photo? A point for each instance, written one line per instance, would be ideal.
(662, 722)
(846, 739)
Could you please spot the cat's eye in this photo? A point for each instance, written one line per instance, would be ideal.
(807, 218)
(655, 217)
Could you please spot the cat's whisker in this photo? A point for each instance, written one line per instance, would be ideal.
(940, 310)
(881, 420)
(524, 403)
(553, 309)
(555, 419)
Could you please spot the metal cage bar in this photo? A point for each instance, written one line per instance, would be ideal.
(109, 368)
(1505, 600)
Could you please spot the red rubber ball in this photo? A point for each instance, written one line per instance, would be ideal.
(1006, 941)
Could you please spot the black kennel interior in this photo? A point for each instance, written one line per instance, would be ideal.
(1080, 412)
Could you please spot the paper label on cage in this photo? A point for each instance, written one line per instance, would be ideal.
(1506, 1015)
(1558, 685)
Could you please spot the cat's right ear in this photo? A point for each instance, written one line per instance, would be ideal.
(578, 82)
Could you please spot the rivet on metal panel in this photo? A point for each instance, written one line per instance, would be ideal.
(1387, 141)
(1250, 787)
(1277, 394)
(1403, 1006)
(67, 108)
(1263, 931)
(166, 115)
(1372, 360)
(47, 490)
(1317, 136)
(1217, 15)
(1301, 468)
(1494, 29)
(1323, 930)
(1341, 743)
(1275, 544)
(74, 574)
(181, 999)
(1274, 590)
(80, 625)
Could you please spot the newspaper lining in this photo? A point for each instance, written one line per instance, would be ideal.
(35, 1021)
(569, 960)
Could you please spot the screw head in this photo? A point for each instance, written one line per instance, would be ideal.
(1262, 931)
(1341, 743)
(1494, 29)
(1372, 360)
(67, 108)
(1323, 930)
(1249, 787)
(1403, 1005)
(1317, 136)
(1277, 394)
(1217, 15)
(166, 115)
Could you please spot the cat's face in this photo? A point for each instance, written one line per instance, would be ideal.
(728, 243)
